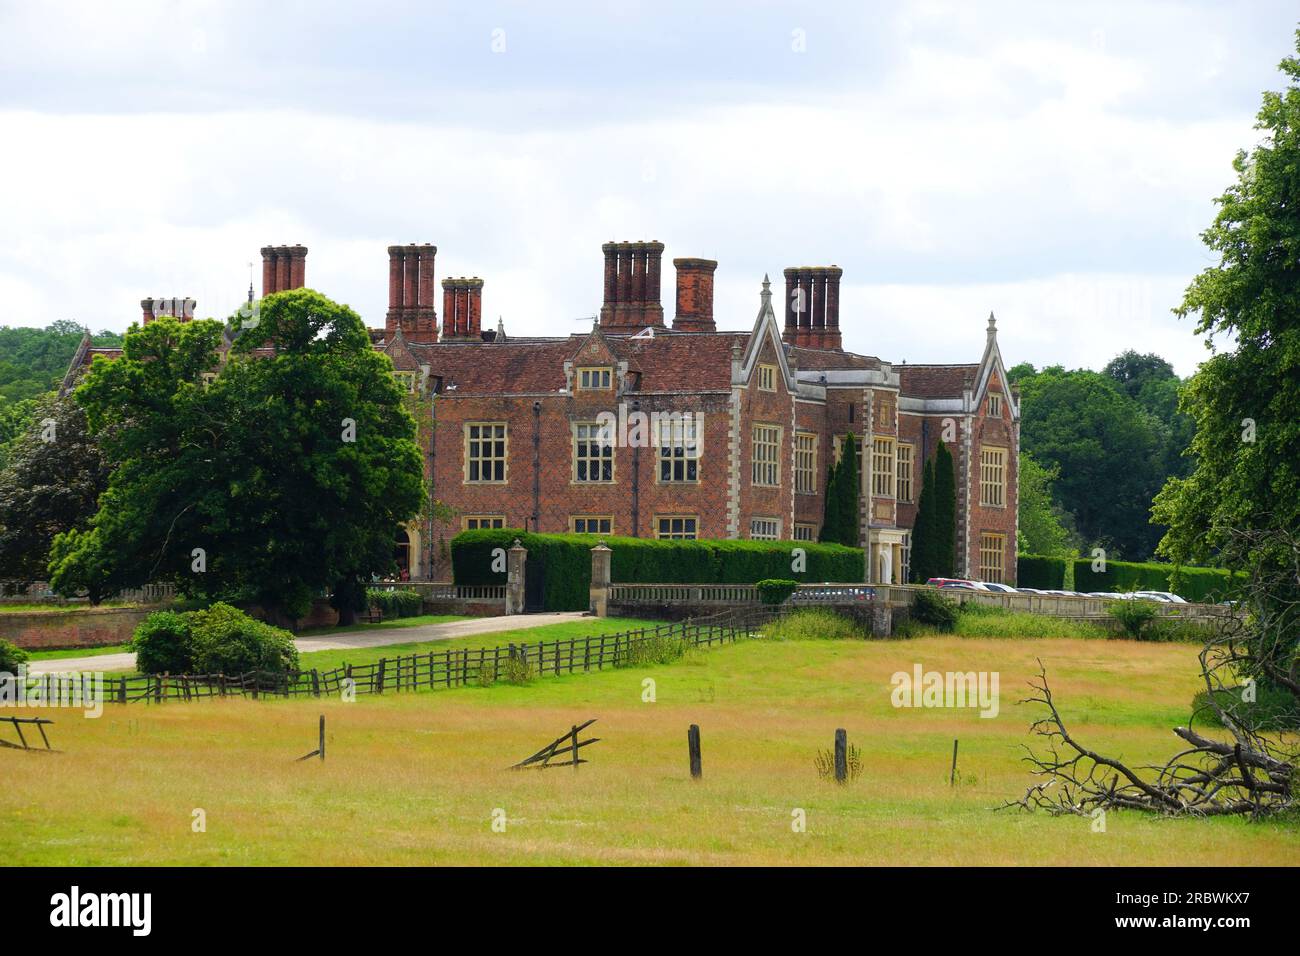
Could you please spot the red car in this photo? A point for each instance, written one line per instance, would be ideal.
(956, 584)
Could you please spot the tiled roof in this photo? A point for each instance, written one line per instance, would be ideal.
(815, 359)
(934, 381)
(667, 362)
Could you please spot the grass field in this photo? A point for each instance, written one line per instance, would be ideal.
(416, 778)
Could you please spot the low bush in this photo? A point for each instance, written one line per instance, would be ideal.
(776, 590)
(163, 644)
(11, 656)
(931, 607)
(228, 641)
(813, 624)
(395, 602)
(220, 639)
(1135, 617)
(517, 670)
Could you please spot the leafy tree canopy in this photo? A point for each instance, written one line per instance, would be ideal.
(288, 475)
(1246, 401)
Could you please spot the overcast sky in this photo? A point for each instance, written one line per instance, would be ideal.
(1054, 163)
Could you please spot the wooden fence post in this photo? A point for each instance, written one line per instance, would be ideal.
(574, 733)
(841, 756)
(952, 775)
(693, 743)
(322, 736)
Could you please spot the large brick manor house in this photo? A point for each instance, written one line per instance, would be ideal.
(743, 423)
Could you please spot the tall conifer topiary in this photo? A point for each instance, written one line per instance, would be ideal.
(923, 561)
(945, 512)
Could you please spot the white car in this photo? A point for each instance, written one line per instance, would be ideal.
(1000, 588)
(1165, 596)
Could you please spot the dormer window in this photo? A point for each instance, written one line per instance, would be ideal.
(593, 379)
(995, 405)
(767, 378)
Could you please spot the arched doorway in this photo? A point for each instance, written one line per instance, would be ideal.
(402, 555)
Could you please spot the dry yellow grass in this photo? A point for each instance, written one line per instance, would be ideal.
(414, 779)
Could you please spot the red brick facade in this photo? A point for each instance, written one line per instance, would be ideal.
(771, 406)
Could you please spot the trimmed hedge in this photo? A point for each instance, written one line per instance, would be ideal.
(566, 562)
(395, 602)
(776, 590)
(1200, 585)
(1036, 571)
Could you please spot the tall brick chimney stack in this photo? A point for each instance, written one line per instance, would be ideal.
(812, 307)
(283, 268)
(462, 308)
(181, 308)
(632, 286)
(694, 295)
(410, 293)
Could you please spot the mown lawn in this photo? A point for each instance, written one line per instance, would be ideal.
(416, 778)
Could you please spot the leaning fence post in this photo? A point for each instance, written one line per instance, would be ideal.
(841, 756)
(574, 732)
(952, 775)
(693, 743)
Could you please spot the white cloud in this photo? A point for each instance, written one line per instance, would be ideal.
(995, 160)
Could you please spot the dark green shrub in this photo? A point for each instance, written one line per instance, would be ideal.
(228, 641)
(1037, 571)
(931, 607)
(11, 656)
(776, 590)
(163, 644)
(1135, 617)
(395, 602)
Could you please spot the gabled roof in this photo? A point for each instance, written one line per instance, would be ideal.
(934, 381)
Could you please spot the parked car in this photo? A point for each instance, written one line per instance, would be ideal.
(1165, 596)
(960, 584)
(1108, 595)
(1031, 591)
(1001, 588)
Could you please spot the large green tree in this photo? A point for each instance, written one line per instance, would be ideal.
(50, 483)
(1110, 455)
(287, 475)
(1042, 527)
(34, 361)
(1245, 399)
